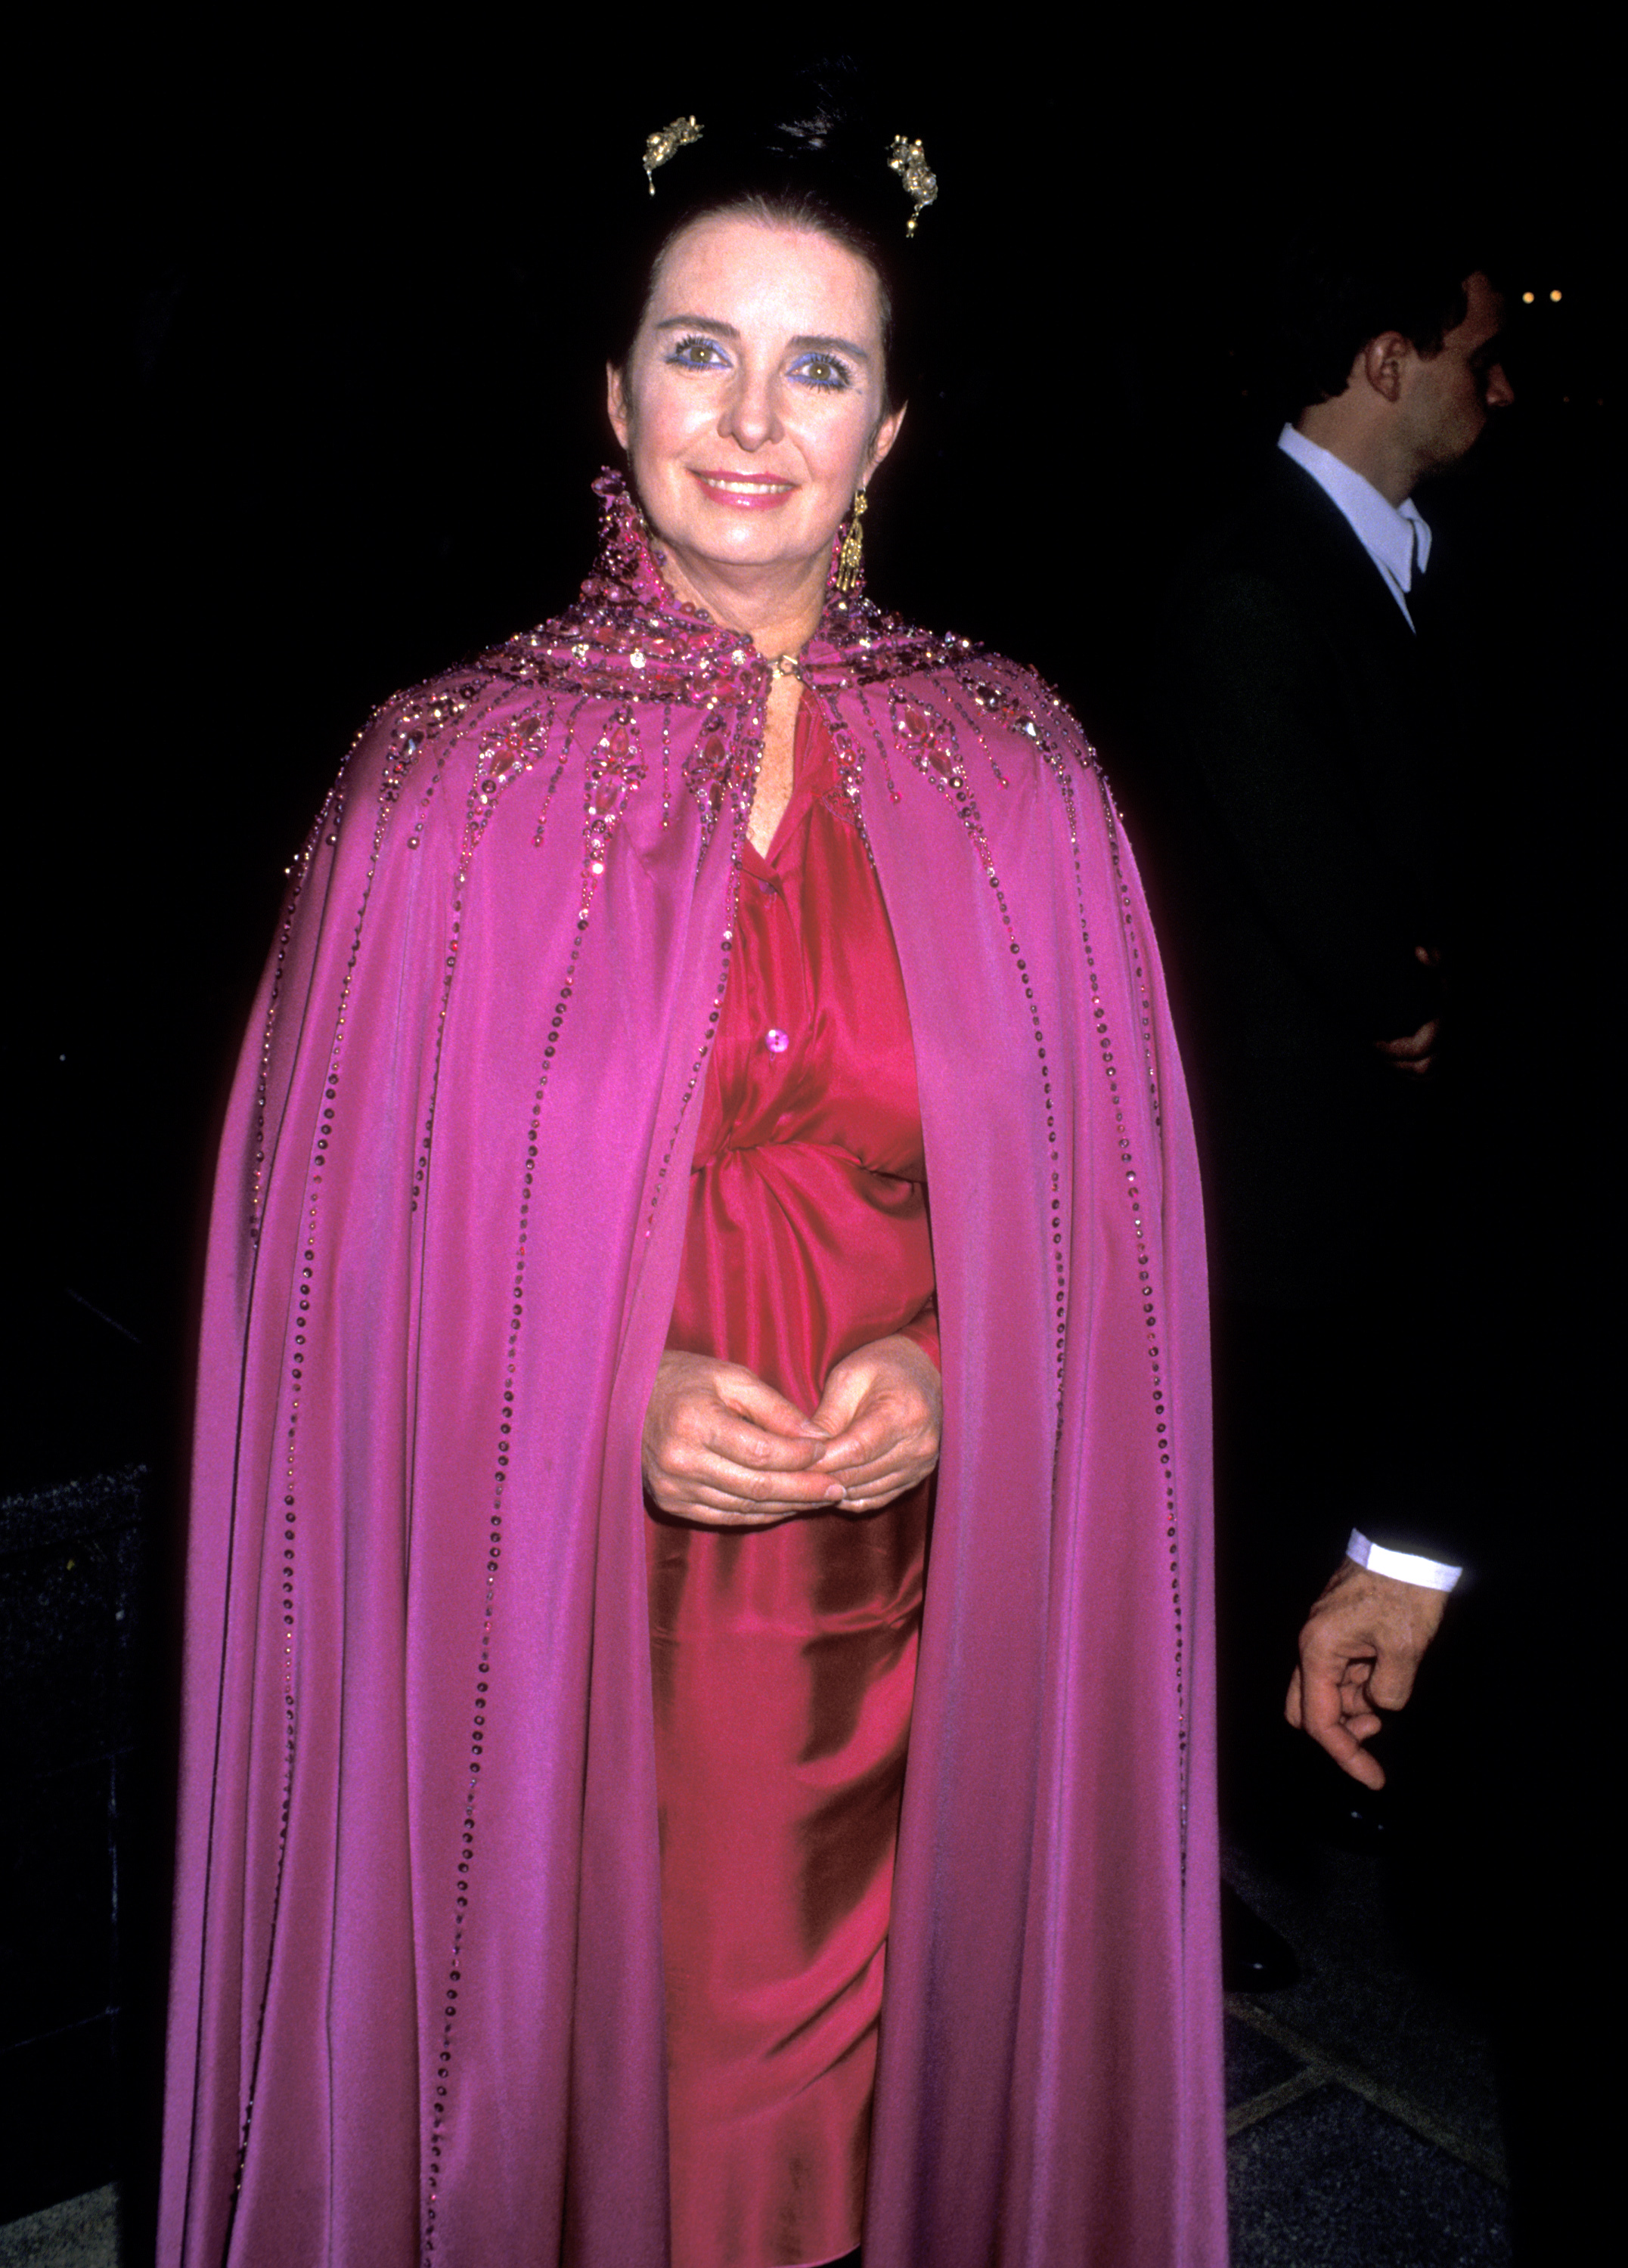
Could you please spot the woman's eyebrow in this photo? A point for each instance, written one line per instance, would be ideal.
(698, 323)
(833, 346)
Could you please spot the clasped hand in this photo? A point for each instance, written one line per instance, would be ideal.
(723, 1448)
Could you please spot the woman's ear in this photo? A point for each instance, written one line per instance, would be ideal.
(885, 434)
(616, 403)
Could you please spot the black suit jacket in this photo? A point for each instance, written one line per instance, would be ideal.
(1303, 740)
(1306, 737)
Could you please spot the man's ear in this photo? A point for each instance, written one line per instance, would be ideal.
(1383, 361)
(616, 403)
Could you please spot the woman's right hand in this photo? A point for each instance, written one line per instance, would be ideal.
(724, 1448)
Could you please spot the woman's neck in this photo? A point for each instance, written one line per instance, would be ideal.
(778, 609)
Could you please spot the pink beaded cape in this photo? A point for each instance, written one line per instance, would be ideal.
(417, 2013)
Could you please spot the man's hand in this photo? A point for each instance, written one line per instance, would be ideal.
(722, 1448)
(1359, 1652)
(883, 1407)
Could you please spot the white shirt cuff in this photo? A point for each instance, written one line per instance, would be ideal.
(1404, 1566)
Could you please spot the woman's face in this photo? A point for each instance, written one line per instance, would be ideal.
(751, 407)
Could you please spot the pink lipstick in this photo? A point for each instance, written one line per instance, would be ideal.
(745, 491)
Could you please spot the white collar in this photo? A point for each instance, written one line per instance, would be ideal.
(1396, 537)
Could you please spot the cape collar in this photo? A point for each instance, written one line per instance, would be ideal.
(628, 637)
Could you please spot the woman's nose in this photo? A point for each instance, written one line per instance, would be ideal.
(1499, 393)
(751, 416)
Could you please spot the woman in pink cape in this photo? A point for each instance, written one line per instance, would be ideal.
(697, 1740)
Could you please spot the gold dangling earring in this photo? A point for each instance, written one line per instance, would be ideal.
(848, 559)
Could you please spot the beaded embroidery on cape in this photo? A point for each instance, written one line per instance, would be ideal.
(628, 635)
(628, 641)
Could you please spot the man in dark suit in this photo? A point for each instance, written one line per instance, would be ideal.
(1308, 735)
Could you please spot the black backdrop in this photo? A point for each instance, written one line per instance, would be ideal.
(322, 398)
(314, 400)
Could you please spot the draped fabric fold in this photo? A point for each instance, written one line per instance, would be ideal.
(784, 1660)
(417, 2009)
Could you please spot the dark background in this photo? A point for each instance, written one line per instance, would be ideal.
(314, 400)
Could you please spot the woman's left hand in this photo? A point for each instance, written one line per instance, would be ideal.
(884, 1406)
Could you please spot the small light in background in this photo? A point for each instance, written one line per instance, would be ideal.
(1528, 296)
(1554, 295)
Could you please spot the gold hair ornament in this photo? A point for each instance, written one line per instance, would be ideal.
(853, 544)
(908, 161)
(661, 146)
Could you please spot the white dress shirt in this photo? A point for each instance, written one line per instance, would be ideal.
(1405, 1566)
(1396, 537)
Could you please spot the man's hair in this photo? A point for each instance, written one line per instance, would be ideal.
(1340, 285)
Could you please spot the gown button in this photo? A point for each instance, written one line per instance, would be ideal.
(777, 1042)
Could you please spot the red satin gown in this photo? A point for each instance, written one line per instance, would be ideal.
(784, 1658)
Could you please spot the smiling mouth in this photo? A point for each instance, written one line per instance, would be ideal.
(748, 488)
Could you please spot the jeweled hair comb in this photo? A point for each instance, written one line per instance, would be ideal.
(909, 162)
(907, 158)
(660, 146)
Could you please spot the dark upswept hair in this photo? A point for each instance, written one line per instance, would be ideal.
(826, 170)
(1343, 283)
